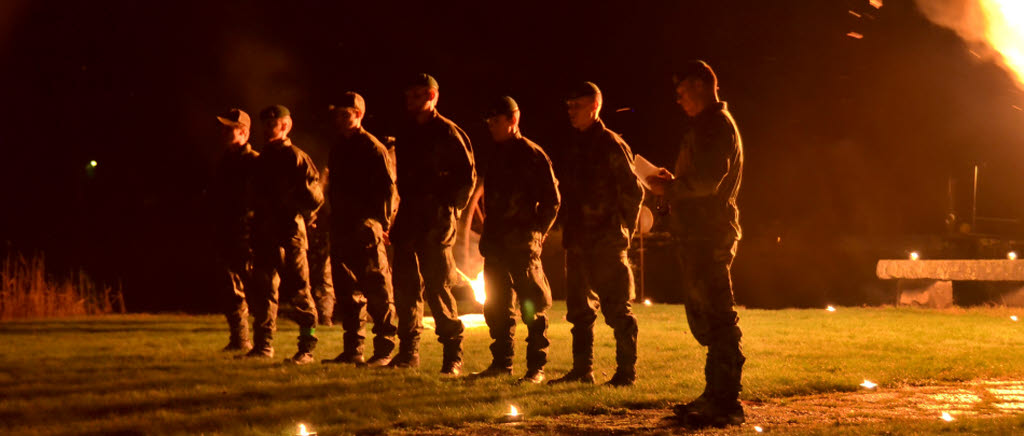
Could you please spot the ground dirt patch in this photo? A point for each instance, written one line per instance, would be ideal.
(821, 413)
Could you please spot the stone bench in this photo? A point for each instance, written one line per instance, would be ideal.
(929, 283)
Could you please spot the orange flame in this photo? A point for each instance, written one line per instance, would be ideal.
(994, 29)
(478, 288)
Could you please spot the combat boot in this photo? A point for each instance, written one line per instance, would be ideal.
(452, 363)
(405, 360)
(307, 343)
(576, 375)
(260, 352)
(622, 379)
(378, 361)
(346, 358)
(494, 370)
(702, 413)
(532, 376)
(238, 342)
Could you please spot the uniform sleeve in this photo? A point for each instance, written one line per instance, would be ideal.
(546, 192)
(458, 173)
(311, 191)
(631, 192)
(384, 178)
(709, 165)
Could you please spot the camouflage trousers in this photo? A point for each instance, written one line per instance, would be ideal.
(281, 270)
(363, 278)
(234, 260)
(515, 275)
(708, 296)
(424, 266)
(321, 280)
(600, 279)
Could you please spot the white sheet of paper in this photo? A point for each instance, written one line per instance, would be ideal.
(643, 168)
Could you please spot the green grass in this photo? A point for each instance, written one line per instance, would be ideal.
(163, 374)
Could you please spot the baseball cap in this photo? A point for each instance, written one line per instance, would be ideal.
(350, 100)
(502, 106)
(585, 89)
(234, 118)
(422, 79)
(696, 69)
(274, 112)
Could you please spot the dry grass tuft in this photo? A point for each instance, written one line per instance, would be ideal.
(27, 292)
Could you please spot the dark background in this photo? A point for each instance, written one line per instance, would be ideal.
(849, 142)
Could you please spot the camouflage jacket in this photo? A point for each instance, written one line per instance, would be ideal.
(708, 173)
(361, 182)
(435, 165)
(601, 195)
(230, 193)
(286, 185)
(520, 195)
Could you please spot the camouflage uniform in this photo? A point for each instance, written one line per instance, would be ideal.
(321, 282)
(436, 175)
(601, 199)
(288, 192)
(521, 201)
(231, 201)
(362, 196)
(706, 224)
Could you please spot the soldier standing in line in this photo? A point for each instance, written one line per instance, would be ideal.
(521, 200)
(232, 208)
(436, 175)
(362, 196)
(705, 223)
(287, 192)
(601, 199)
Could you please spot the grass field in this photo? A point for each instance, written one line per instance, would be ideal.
(163, 374)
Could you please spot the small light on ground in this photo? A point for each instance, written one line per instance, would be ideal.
(914, 255)
(512, 411)
(758, 429)
(1011, 255)
(830, 309)
(303, 431)
(868, 384)
(1013, 318)
(647, 302)
(513, 415)
(947, 417)
(93, 163)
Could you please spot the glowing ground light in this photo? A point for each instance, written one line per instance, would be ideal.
(647, 302)
(303, 431)
(947, 417)
(868, 384)
(1011, 255)
(830, 309)
(914, 255)
(512, 411)
(1013, 318)
(758, 429)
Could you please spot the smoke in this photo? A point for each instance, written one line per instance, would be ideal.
(993, 29)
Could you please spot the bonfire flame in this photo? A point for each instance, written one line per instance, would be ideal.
(478, 288)
(995, 28)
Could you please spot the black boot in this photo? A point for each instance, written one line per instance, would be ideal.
(452, 363)
(582, 357)
(625, 353)
(353, 351)
(408, 355)
(496, 369)
(239, 339)
(307, 343)
(262, 347)
(532, 376)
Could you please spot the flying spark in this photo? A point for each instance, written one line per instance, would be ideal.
(1013, 318)
(1011, 255)
(647, 302)
(876, 3)
(914, 255)
(758, 429)
(855, 35)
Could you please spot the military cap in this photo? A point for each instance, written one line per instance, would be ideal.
(234, 118)
(350, 100)
(696, 69)
(585, 89)
(274, 112)
(422, 79)
(502, 106)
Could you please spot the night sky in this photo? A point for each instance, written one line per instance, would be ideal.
(845, 139)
